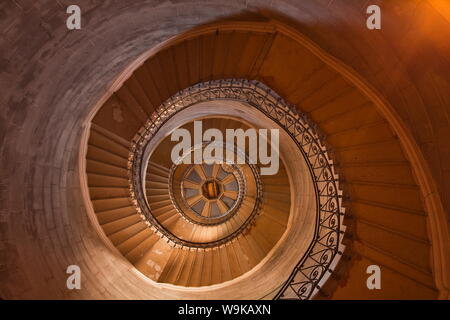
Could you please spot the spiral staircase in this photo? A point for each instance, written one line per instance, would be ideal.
(357, 138)
(152, 254)
(353, 188)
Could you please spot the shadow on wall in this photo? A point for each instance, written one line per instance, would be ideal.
(405, 61)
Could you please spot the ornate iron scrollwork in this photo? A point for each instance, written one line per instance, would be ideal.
(325, 249)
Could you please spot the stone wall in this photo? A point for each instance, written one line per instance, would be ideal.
(51, 77)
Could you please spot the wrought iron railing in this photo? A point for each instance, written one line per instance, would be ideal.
(316, 264)
(136, 165)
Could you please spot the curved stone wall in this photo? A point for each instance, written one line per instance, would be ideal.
(51, 78)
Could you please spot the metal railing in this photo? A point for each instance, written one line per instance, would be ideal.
(315, 266)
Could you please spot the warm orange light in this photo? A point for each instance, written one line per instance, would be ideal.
(443, 7)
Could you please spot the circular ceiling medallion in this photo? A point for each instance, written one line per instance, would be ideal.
(208, 194)
(211, 192)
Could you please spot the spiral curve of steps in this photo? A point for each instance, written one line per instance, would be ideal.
(380, 98)
(168, 246)
(369, 152)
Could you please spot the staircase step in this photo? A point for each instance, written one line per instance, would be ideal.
(188, 268)
(110, 204)
(156, 192)
(146, 81)
(344, 103)
(272, 231)
(355, 119)
(99, 180)
(158, 168)
(254, 249)
(115, 214)
(125, 234)
(157, 178)
(196, 275)
(157, 205)
(170, 221)
(97, 167)
(170, 265)
(175, 271)
(156, 185)
(252, 255)
(275, 215)
(162, 210)
(370, 133)
(111, 136)
(132, 242)
(139, 251)
(244, 261)
(99, 140)
(259, 235)
(104, 156)
(207, 268)
(225, 264)
(158, 197)
(216, 267)
(120, 224)
(130, 93)
(108, 192)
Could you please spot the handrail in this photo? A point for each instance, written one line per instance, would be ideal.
(326, 247)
